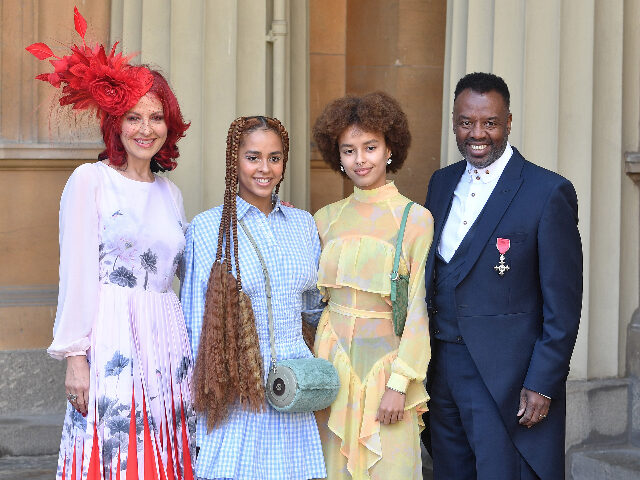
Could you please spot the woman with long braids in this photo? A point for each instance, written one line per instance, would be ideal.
(239, 435)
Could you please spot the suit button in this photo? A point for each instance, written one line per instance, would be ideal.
(459, 338)
(436, 331)
(435, 310)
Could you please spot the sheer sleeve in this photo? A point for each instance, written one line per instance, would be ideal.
(312, 304)
(79, 265)
(414, 350)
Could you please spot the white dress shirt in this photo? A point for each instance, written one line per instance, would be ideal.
(471, 194)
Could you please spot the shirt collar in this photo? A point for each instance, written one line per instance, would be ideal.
(242, 207)
(491, 173)
(374, 195)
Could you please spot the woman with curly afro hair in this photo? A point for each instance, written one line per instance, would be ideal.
(372, 429)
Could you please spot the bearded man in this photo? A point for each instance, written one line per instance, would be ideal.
(504, 291)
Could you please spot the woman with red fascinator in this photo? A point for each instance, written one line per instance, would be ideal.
(118, 324)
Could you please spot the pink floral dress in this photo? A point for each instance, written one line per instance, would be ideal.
(121, 242)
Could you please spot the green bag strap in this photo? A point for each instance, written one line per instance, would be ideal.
(396, 260)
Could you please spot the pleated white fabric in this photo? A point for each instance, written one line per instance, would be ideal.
(140, 424)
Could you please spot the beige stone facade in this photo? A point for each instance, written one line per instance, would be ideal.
(38, 150)
(573, 67)
(359, 46)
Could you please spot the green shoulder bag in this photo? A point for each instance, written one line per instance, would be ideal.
(400, 283)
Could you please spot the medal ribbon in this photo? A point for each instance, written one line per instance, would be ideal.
(503, 245)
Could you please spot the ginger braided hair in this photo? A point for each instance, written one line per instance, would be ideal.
(229, 363)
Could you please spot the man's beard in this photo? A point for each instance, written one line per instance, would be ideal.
(494, 154)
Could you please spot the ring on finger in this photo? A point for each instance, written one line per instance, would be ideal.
(72, 397)
(542, 416)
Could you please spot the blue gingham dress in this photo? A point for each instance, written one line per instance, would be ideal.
(270, 444)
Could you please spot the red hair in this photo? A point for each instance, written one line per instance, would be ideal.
(165, 159)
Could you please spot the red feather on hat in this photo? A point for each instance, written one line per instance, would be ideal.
(93, 79)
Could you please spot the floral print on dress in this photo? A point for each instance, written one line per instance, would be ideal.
(148, 261)
(178, 263)
(178, 258)
(137, 336)
(124, 250)
(118, 252)
(123, 277)
(115, 366)
(123, 262)
(183, 369)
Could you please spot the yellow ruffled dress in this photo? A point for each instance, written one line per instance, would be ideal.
(355, 333)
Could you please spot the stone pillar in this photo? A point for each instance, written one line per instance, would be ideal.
(630, 231)
(633, 371)
(219, 58)
(633, 334)
(631, 210)
(564, 62)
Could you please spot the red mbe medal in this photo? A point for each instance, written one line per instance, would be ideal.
(503, 245)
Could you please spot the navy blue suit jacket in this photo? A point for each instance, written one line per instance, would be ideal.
(520, 328)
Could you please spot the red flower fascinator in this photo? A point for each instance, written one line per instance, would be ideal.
(93, 79)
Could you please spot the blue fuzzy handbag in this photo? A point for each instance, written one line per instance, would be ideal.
(299, 384)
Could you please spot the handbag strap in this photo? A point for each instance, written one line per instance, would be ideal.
(396, 260)
(267, 288)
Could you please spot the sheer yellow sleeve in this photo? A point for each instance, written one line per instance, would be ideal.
(414, 350)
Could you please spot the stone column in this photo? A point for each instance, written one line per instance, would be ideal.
(633, 331)
(633, 371)
(564, 63)
(630, 231)
(219, 58)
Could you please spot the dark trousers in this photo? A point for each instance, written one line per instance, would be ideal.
(468, 437)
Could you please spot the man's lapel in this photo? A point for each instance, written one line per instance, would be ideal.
(443, 203)
(439, 204)
(495, 208)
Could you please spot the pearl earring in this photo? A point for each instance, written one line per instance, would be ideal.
(389, 161)
(341, 168)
